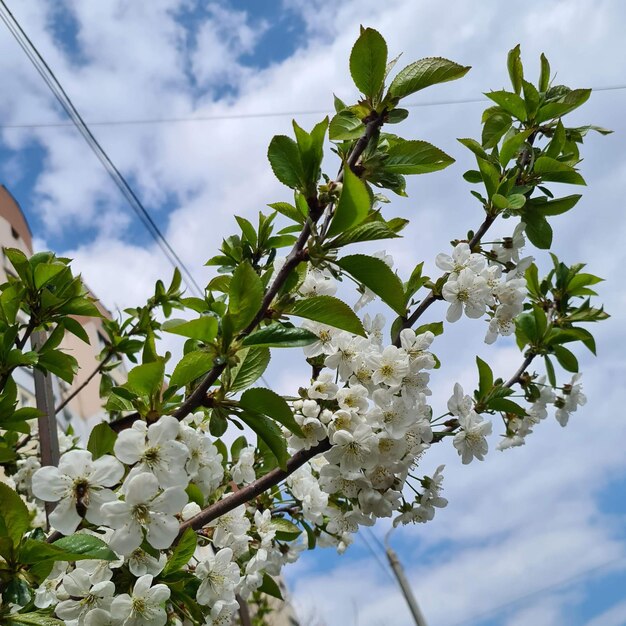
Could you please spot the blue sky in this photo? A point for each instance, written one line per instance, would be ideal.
(540, 530)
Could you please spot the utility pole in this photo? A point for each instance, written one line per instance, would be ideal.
(407, 592)
(47, 422)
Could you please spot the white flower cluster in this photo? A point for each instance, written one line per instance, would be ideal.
(372, 407)
(474, 286)
(565, 403)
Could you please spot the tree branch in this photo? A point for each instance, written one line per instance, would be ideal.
(516, 377)
(296, 255)
(254, 489)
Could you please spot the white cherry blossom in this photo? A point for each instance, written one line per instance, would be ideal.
(145, 507)
(78, 482)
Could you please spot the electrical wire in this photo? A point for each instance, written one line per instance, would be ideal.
(243, 116)
(64, 100)
(376, 556)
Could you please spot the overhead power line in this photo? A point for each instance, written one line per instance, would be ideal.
(218, 117)
(50, 79)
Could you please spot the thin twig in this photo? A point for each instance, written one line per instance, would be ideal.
(516, 377)
(85, 382)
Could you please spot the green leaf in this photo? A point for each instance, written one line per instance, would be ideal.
(516, 70)
(368, 61)
(72, 548)
(550, 371)
(45, 272)
(424, 73)
(558, 206)
(538, 230)
(544, 77)
(76, 328)
(370, 231)
(268, 402)
(345, 126)
(556, 171)
(495, 126)
(14, 516)
(376, 275)
(278, 336)
(284, 157)
(415, 157)
(269, 432)
(474, 146)
(516, 201)
(285, 530)
(566, 358)
(532, 98)
(512, 146)
(485, 377)
(203, 329)
(353, 205)
(253, 362)
(526, 324)
(101, 440)
(17, 591)
(329, 310)
(506, 405)
(310, 147)
(245, 295)
(570, 101)
(288, 210)
(247, 229)
(270, 587)
(182, 553)
(510, 102)
(490, 174)
(62, 365)
(146, 379)
(191, 366)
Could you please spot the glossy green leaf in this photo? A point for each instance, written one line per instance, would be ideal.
(284, 157)
(345, 126)
(544, 76)
(368, 61)
(424, 73)
(193, 365)
(353, 205)
(279, 336)
(376, 275)
(371, 231)
(495, 126)
(245, 295)
(146, 379)
(253, 362)
(566, 358)
(203, 329)
(516, 70)
(538, 231)
(329, 310)
(415, 157)
(270, 433)
(101, 440)
(556, 171)
(268, 402)
(182, 553)
(14, 516)
(510, 102)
